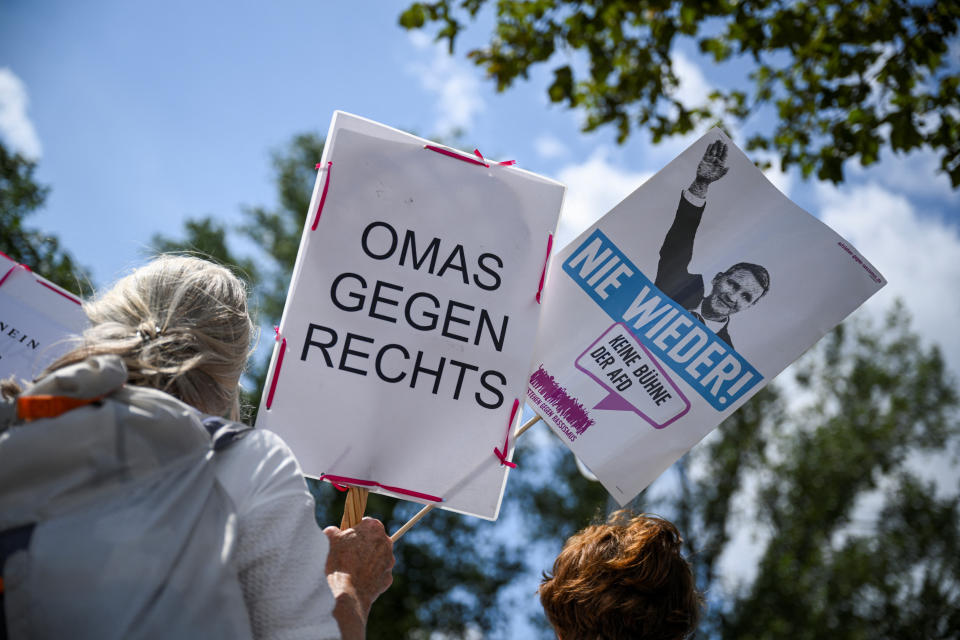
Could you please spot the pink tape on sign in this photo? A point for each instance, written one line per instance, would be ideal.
(337, 480)
(40, 282)
(452, 154)
(502, 457)
(505, 163)
(482, 161)
(29, 270)
(543, 274)
(10, 271)
(323, 196)
(276, 372)
(336, 485)
(55, 290)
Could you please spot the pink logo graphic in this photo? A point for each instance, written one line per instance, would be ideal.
(633, 378)
(561, 405)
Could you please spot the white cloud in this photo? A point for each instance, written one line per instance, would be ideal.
(916, 173)
(919, 256)
(420, 40)
(593, 188)
(549, 147)
(455, 84)
(15, 127)
(693, 90)
(694, 86)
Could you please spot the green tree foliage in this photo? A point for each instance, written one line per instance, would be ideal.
(277, 230)
(207, 237)
(877, 404)
(843, 79)
(21, 196)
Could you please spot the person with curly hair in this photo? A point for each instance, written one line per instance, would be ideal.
(622, 580)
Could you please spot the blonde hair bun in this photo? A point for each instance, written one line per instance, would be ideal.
(181, 325)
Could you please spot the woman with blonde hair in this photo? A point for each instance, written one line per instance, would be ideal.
(140, 414)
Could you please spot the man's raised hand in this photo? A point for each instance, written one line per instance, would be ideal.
(712, 167)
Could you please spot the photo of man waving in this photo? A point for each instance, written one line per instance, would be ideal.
(733, 290)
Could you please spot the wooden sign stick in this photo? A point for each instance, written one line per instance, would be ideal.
(354, 507)
(428, 508)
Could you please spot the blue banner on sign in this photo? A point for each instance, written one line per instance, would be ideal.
(670, 332)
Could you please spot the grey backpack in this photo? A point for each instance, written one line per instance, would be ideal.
(112, 522)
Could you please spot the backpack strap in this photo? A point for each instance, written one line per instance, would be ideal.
(31, 408)
(11, 541)
(223, 432)
(75, 385)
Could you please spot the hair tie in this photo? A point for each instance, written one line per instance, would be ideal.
(145, 335)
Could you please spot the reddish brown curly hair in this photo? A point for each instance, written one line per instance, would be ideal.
(622, 580)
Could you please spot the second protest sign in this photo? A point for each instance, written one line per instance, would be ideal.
(408, 332)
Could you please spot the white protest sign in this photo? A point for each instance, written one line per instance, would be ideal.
(407, 337)
(677, 306)
(37, 320)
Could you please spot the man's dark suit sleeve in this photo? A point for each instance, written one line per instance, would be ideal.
(673, 276)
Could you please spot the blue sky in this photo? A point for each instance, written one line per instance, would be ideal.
(146, 114)
(143, 114)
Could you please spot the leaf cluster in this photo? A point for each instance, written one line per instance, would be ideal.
(844, 79)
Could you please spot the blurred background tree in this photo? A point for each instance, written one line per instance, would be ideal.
(852, 536)
(20, 197)
(841, 80)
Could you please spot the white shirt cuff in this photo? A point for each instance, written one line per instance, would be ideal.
(694, 200)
